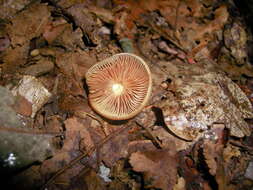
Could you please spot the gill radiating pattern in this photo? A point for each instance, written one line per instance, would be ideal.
(128, 71)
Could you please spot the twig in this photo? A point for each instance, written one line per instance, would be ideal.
(242, 146)
(40, 24)
(98, 159)
(83, 114)
(73, 162)
(151, 134)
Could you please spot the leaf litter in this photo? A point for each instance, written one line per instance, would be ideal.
(196, 132)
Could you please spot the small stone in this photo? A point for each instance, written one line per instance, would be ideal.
(104, 173)
(35, 52)
(104, 31)
(164, 85)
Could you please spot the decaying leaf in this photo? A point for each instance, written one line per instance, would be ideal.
(230, 152)
(34, 18)
(213, 149)
(13, 58)
(235, 39)
(93, 181)
(23, 106)
(204, 100)
(159, 168)
(69, 151)
(115, 149)
(185, 23)
(53, 30)
(9, 8)
(177, 142)
(122, 179)
(42, 66)
(34, 91)
(86, 21)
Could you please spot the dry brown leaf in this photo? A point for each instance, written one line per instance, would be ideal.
(140, 145)
(184, 23)
(70, 39)
(104, 14)
(115, 149)
(73, 65)
(93, 181)
(86, 20)
(41, 67)
(23, 106)
(124, 21)
(69, 151)
(14, 57)
(188, 170)
(9, 8)
(159, 168)
(68, 3)
(213, 150)
(54, 124)
(28, 24)
(68, 103)
(60, 33)
(53, 31)
(210, 156)
(229, 152)
(122, 179)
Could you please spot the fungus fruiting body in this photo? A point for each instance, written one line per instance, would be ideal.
(119, 86)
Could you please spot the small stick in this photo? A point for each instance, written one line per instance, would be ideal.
(242, 146)
(73, 162)
(151, 134)
(83, 114)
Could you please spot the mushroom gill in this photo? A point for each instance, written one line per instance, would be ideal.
(119, 86)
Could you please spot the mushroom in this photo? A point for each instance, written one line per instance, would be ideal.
(119, 86)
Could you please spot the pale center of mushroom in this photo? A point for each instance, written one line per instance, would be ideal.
(117, 89)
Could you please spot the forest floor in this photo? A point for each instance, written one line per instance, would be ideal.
(195, 132)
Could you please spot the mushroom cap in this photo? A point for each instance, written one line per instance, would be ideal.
(119, 86)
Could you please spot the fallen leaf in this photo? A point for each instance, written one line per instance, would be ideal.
(213, 150)
(85, 19)
(43, 66)
(67, 153)
(13, 58)
(23, 106)
(52, 32)
(28, 24)
(93, 181)
(115, 149)
(159, 168)
(9, 9)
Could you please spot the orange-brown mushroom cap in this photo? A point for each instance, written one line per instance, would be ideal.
(119, 86)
